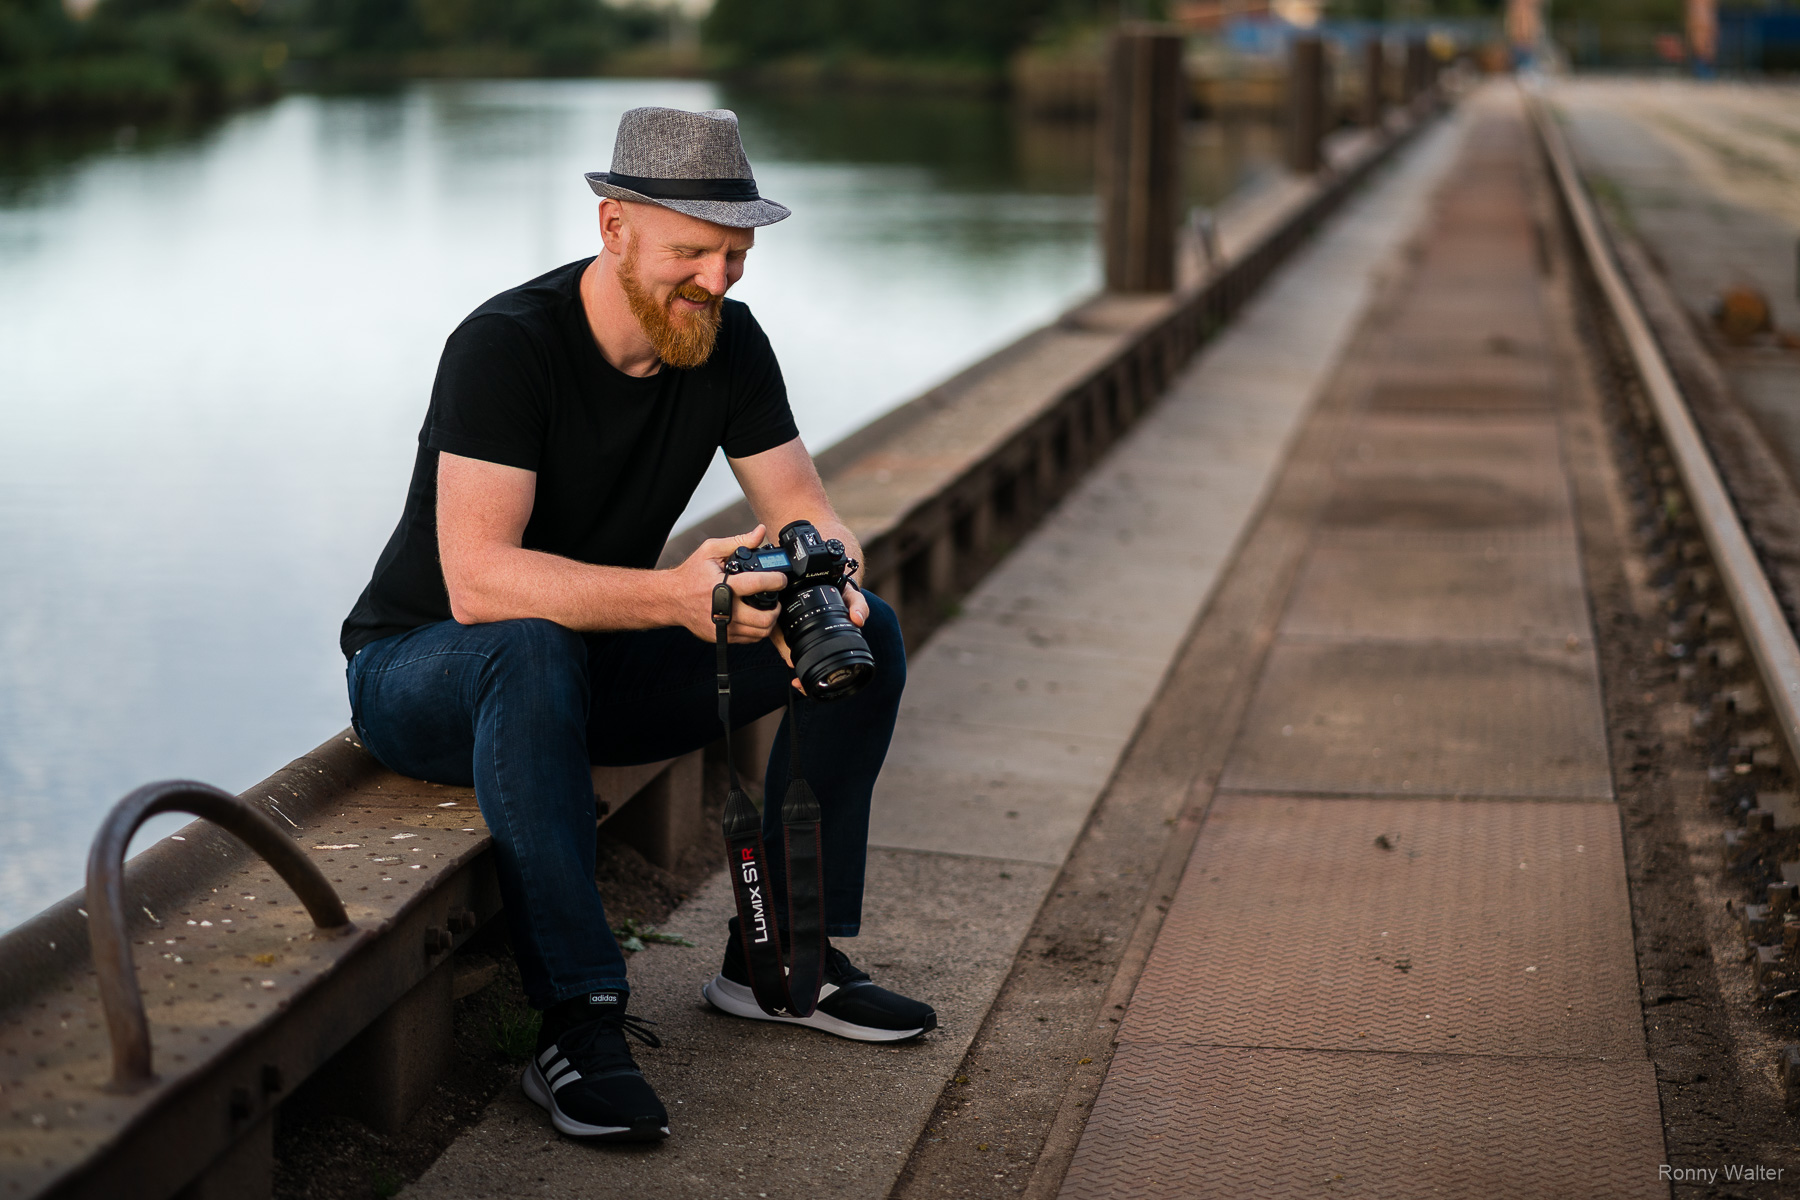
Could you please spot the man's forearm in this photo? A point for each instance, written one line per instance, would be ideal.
(511, 583)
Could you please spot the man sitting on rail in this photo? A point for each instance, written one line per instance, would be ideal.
(515, 629)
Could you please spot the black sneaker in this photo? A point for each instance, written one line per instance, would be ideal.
(583, 1072)
(849, 1005)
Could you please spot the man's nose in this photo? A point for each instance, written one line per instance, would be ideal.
(711, 275)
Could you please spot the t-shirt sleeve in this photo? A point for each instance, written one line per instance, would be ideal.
(491, 398)
(759, 418)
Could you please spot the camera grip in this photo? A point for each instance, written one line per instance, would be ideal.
(742, 561)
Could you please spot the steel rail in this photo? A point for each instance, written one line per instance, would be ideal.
(1759, 615)
(120, 997)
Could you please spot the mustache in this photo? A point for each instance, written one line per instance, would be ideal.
(696, 293)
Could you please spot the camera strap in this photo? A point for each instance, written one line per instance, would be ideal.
(785, 982)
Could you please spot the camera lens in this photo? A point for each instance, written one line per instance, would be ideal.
(830, 656)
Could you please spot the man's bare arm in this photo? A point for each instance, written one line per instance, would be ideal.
(482, 510)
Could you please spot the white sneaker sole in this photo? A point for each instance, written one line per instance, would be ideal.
(740, 1001)
(538, 1091)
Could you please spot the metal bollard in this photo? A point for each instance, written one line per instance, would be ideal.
(120, 997)
(1374, 96)
(1418, 69)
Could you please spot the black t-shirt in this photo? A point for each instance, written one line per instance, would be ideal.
(522, 383)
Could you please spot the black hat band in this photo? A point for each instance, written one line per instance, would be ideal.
(686, 189)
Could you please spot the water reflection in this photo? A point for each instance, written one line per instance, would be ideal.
(216, 346)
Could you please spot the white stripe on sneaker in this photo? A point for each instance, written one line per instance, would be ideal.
(547, 1055)
(740, 1001)
(570, 1077)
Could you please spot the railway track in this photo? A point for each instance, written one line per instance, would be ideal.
(1730, 637)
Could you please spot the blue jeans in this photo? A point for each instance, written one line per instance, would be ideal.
(519, 709)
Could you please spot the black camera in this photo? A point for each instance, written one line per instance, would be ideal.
(830, 656)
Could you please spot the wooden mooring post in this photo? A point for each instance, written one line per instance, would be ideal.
(1141, 107)
(1374, 81)
(1306, 103)
(1417, 68)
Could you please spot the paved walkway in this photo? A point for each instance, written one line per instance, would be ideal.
(1400, 961)
(1017, 713)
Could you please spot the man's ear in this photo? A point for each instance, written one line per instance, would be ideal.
(612, 225)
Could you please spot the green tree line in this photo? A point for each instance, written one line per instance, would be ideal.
(749, 33)
(982, 32)
(552, 36)
(143, 56)
(122, 57)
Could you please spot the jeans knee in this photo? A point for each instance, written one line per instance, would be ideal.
(882, 632)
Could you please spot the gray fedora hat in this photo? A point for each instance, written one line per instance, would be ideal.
(691, 162)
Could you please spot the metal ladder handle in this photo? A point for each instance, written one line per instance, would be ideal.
(120, 997)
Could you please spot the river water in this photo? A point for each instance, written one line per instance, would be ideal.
(216, 348)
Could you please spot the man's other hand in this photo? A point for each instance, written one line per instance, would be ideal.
(853, 600)
(859, 612)
(695, 579)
